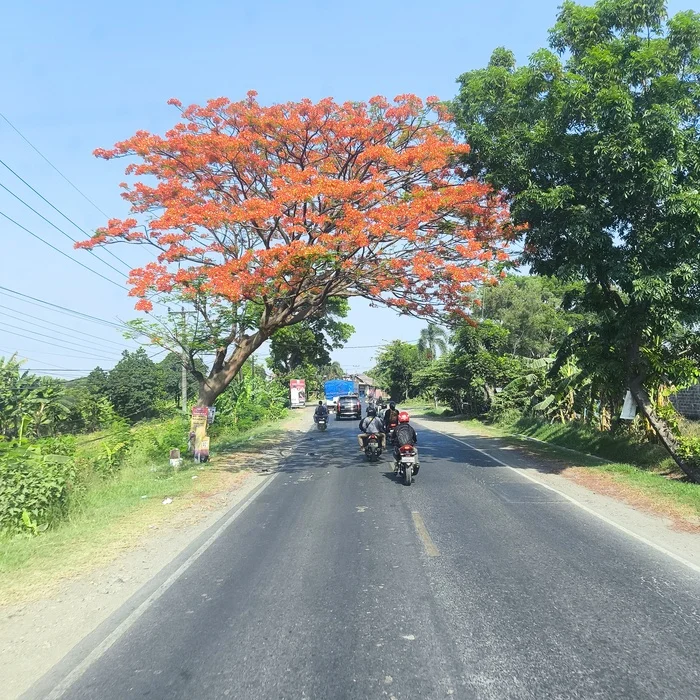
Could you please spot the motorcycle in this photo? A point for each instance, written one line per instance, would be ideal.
(373, 448)
(406, 465)
(391, 434)
(322, 423)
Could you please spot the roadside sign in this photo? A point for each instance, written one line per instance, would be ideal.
(297, 393)
(198, 431)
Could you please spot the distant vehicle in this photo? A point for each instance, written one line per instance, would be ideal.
(348, 407)
(335, 388)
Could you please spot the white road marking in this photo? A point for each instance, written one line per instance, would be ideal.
(121, 629)
(600, 516)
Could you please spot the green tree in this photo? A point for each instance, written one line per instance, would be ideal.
(310, 342)
(396, 365)
(96, 382)
(479, 365)
(531, 309)
(17, 394)
(596, 143)
(134, 386)
(432, 339)
(171, 376)
(50, 406)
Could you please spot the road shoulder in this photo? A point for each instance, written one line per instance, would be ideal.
(658, 531)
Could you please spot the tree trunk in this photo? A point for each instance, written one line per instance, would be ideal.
(666, 437)
(221, 376)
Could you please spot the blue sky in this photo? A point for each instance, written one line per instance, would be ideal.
(81, 75)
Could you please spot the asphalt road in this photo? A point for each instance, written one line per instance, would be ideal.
(338, 582)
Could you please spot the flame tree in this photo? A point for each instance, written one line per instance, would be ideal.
(261, 215)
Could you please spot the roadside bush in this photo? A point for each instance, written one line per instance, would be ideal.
(689, 450)
(35, 488)
(63, 445)
(105, 455)
(154, 441)
(501, 414)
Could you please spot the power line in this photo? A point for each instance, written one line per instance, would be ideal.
(62, 309)
(14, 333)
(25, 357)
(366, 347)
(67, 218)
(33, 147)
(79, 346)
(58, 250)
(70, 182)
(58, 325)
(63, 347)
(60, 230)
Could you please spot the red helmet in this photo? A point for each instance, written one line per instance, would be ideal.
(404, 417)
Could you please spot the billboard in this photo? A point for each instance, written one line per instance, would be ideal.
(199, 442)
(297, 393)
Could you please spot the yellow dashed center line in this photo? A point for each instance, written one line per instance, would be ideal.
(430, 549)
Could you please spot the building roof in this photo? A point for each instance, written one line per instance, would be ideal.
(364, 379)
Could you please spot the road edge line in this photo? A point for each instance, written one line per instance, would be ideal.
(64, 685)
(571, 499)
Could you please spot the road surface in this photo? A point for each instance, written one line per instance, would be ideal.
(336, 581)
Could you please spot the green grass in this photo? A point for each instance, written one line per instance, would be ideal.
(579, 437)
(104, 502)
(229, 440)
(112, 513)
(639, 469)
(654, 484)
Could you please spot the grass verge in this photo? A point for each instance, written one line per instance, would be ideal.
(640, 474)
(114, 514)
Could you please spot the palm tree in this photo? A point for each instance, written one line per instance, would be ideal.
(332, 371)
(432, 339)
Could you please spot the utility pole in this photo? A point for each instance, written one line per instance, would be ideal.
(183, 377)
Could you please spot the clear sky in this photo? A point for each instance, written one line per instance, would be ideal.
(81, 75)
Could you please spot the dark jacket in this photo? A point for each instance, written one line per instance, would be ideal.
(321, 411)
(405, 435)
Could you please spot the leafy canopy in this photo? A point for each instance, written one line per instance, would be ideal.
(261, 214)
(134, 386)
(310, 342)
(597, 145)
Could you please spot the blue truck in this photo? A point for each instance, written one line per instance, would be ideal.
(338, 387)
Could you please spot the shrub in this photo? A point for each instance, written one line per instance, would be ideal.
(689, 450)
(106, 455)
(154, 441)
(35, 488)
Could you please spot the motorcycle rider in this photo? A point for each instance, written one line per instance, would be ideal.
(391, 416)
(404, 435)
(371, 424)
(321, 410)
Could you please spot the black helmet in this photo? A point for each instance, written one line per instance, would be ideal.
(320, 403)
(392, 405)
(372, 411)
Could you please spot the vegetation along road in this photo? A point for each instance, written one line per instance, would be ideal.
(336, 580)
